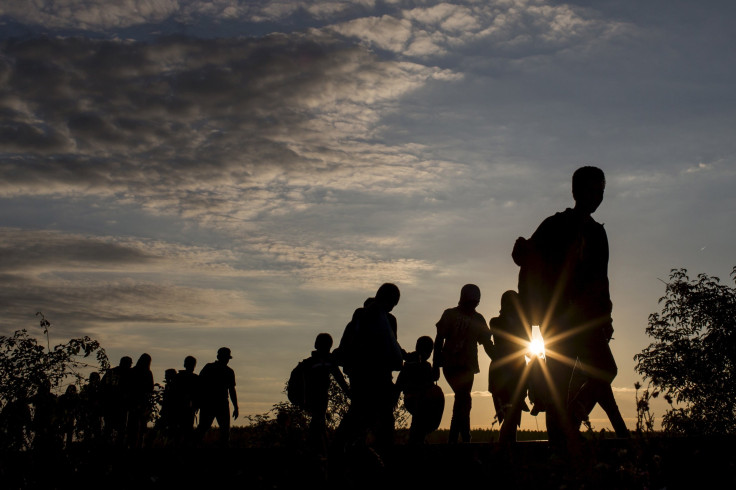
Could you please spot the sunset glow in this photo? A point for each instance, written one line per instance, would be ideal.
(180, 178)
(536, 347)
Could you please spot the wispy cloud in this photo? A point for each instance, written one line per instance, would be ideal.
(179, 126)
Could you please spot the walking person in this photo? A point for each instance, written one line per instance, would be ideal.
(563, 283)
(217, 382)
(459, 331)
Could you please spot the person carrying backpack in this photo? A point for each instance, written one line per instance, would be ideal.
(506, 374)
(370, 353)
(315, 372)
(563, 284)
(423, 398)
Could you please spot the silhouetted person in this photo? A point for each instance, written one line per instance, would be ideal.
(507, 379)
(165, 422)
(423, 399)
(115, 400)
(141, 392)
(217, 381)
(45, 422)
(15, 424)
(67, 414)
(318, 369)
(90, 410)
(374, 354)
(459, 331)
(185, 401)
(563, 284)
(343, 354)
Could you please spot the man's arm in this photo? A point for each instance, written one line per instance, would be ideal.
(439, 342)
(234, 399)
(340, 379)
(488, 346)
(484, 336)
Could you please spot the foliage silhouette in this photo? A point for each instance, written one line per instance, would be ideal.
(25, 366)
(693, 358)
(644, 415)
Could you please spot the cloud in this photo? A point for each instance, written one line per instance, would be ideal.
(523, 29)
(624, 389)
(89, 14)
(85, 280)
(328, 268)
(700, 167)
(384, 32)
(194, 127)
(101, 15)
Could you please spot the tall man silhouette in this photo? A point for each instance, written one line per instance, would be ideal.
(217, 381)
(369, 345)
(563, 284)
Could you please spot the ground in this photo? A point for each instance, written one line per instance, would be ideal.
(654, 462)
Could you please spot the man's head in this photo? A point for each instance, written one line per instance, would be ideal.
(223, 355)
(388, 296)
(588, 184)
(126, 362)
(510, 304)
(144, 362)
(189, 363)
(323, 343)
(469, 296)
(425, 345)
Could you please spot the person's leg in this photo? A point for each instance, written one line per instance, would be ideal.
(507, 434)
(206, 417)
(134, 427)
(317, 433)
(461, 383)
(511, 414)
(559, 428)
(383, 422)
(222, 415)
(450, 377)
(599, 368)
(608, 404)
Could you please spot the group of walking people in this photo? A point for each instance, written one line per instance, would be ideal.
(114, 410)
(185, 396)
(563, 288)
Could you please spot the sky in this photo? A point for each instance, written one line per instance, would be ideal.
(177, 176)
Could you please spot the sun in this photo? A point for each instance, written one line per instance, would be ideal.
(536, 347)
(536, 344)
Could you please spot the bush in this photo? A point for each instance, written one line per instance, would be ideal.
(693, 359)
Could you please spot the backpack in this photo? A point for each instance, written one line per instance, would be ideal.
(346, 351)
(296, 387)
(534, 290)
